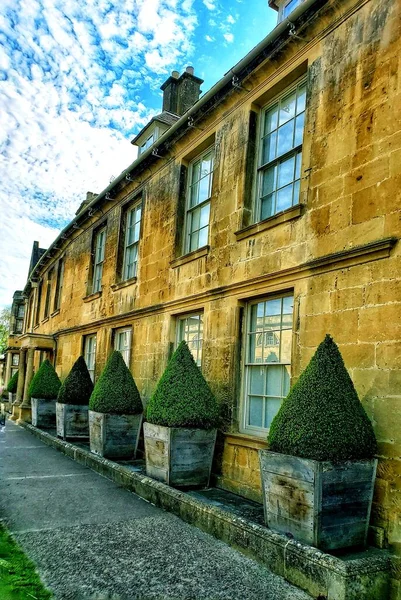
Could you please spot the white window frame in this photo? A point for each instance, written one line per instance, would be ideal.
(123, 334)
(150, 140)
(249, 367)
(283, 13)
(201, 208)
(184, 332)
(99, 246)
(90, 342)
(278, 160)
(131, 245)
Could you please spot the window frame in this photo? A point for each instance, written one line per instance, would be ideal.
(116, 335)
(97, 265)
(180, 325)
(38, 302)
(131, 209)
(87, 354)
(189, 210)
(246, 365)
(294, 151)
(46, 313)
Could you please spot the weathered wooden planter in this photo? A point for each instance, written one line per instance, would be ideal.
(114, 436)
(322, 504)
(43, 413)
(178, 456)
(72, 420)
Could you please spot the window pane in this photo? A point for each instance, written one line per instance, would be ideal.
(195, 219)
(255, 411)
(286, 345)
(301, 98)
(194, 241)
(287, 108)
(196, 172)
(288, 307)
(190, 329)
(298, 166)
(207, 164)
(284, 198)
(299, 129)
(271, 354)
(204, 215)
(296, 192)
(257, 381)
(271, 119)
(274, 381)
(286, 171)
(203, 235)
(269, 180)
(269, 147)
(204, 189)
(285, 138)
(267, 206)
(272, 408)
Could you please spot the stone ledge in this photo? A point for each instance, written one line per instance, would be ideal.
(182, 260)
(359, 576)
(282, 217)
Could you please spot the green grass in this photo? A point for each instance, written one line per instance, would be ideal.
(18, 577)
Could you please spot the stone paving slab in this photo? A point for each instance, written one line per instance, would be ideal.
(94, 540)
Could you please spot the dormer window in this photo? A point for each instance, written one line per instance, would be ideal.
(149, 141)
(289, 7)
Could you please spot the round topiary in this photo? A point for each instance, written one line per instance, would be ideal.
(182, 397)
(13, 383)
(322, 417)
(77, 386)
(115, 391)
(46, 383)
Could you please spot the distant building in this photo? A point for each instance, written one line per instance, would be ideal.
(255, 220)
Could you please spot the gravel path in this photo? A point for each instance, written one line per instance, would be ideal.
(93, 540)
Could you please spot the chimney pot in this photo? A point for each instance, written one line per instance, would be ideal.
(175, 74)
(190, 70)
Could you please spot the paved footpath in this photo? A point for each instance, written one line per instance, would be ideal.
(92, 540)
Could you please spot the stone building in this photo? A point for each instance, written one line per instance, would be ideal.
(255, 220)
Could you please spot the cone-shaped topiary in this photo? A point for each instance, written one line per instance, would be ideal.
(77, 386)
(322, 417)
(13, 383)
(115, 391)
(46, 383)
(182, 397)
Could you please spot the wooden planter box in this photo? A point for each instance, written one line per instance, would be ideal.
(322, 504)
(72, 420)
(114, 436)
(178, 456)
(43, 413)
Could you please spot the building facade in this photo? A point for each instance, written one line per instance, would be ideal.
(255, 220)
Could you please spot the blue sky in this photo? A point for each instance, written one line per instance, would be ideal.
(77, 81)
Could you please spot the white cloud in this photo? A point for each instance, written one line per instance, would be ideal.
(229, 37)
(230, 19)
(208, 38)
(210, 5)
(72, 78)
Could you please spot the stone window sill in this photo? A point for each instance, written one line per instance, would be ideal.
(45, 320)
(91, 297)
(286, 215)
(248, 441)
(182, 260)
(56, 312)
(123, 284)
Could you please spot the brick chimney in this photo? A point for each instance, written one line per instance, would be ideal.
(181, 92)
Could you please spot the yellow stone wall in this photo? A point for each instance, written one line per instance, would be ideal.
(350, 197)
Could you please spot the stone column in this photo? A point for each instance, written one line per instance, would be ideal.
(8, 368)
(28, 376)
(21, 382)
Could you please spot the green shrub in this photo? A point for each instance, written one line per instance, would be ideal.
(322, 417)
(77, 386)
(13, 383)
(182, 397)
(115, 391)
(46, 383)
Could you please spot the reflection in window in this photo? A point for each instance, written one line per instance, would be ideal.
(90, 354)
(131, 242)
(267, 361)
(281, 153)
(190, 329)
(122, 342)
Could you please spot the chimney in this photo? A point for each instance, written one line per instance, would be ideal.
(181, 92)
